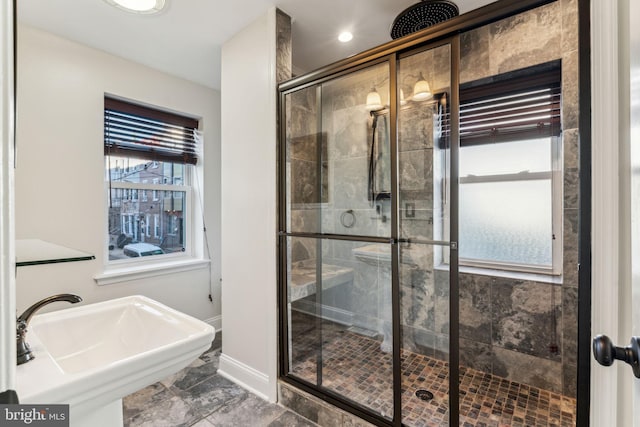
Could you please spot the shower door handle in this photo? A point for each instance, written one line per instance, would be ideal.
(606, 353)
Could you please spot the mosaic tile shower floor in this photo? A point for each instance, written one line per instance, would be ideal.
(354, 366)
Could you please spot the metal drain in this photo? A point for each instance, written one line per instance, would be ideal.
(425, 395)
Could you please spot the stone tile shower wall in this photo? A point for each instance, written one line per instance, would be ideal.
(507, 326)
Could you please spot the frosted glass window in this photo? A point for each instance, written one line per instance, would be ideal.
(506, 222)
(506, 204)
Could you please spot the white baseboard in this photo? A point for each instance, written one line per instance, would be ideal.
(245, 376)
(216, 322)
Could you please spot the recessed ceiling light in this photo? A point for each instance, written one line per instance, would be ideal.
(139, 6)
(345, 36)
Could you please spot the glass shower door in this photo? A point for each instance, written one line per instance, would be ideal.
(423, 219)
(367, 243)
(338, 239)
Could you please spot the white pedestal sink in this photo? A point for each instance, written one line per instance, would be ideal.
(91, 356)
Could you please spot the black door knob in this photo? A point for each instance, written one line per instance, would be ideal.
(606, 353)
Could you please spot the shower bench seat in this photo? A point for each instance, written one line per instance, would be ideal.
(303, 279)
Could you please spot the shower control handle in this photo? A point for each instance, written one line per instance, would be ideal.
(606, 353)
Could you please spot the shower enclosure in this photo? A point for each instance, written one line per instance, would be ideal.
(428, 224)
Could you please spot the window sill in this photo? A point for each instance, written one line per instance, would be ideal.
(129, 273)
(516, 275)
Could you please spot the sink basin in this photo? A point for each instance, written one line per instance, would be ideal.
(103, 334)
(91, 356)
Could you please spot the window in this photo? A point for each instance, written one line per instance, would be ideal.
(148, 151)
(156, 226)
(510, 176)
(147, 222)
(144, 192)
(155, 192)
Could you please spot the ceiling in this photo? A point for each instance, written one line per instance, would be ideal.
(186, 38)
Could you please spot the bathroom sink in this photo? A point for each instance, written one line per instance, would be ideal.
(92, 356)
(89, 337)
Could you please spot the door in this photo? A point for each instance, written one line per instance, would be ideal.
(615, 391)
(634, 98)
(427, 269)
(336, 229)
(365, 214)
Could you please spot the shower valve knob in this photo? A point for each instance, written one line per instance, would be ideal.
(606, 353)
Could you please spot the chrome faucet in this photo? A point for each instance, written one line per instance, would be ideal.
(24, 351)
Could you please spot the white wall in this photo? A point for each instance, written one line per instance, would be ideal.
(249, 285)
(60, 193)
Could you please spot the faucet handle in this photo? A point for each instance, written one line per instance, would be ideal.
(21, 326)
(23, 349)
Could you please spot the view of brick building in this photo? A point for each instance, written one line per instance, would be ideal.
(143, 212)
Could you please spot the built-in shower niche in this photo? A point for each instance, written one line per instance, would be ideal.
(309, 171)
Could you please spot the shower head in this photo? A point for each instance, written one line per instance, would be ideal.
(422, 15)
